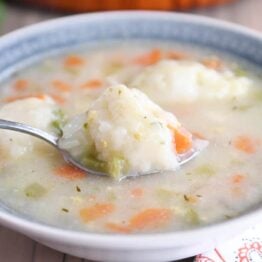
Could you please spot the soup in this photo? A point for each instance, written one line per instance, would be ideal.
(213, 96)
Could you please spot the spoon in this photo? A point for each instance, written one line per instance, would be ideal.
(199, 144)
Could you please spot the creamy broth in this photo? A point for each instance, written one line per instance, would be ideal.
(221, 183)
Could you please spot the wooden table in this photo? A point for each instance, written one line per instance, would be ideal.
(15, 247)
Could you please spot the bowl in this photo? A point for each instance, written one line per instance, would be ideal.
(26, 46)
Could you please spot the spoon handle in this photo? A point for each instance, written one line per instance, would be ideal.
(19, 127)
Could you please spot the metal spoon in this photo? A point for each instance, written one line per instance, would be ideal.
(54, 141)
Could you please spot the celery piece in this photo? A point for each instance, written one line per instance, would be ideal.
(164, 194)
(116, 167)
(206, 170)
(240, 72)
(35, 190)
(94, 164)
(192, 217)
(258, 95)
(59, 122)
(111, 196)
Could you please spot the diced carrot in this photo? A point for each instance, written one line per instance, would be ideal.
(18, 97)
(74, 61)
(245, 144)
(150, 218)
(238, 178)
(182, 139)
(117, 228)
(69, 172)
(61, 86)
(96, 211)
(176, 55)
(149, 58)
(21, 85)
(94, 83)
(137, 192)
(212, 63)
(58, 99)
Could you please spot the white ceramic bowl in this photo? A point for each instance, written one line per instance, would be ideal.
(33, 43)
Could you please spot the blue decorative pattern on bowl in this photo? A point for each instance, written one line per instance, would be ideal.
(29, 45)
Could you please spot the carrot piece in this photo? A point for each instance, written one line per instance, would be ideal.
(238, 178)
(245, 144)
(117, 228)
(150, 218)
(149, 58)
(61, 86)
(212, 63)
(182, 140)
(176, 55)
(94, 83)
(21, 85)
(96, 211)
(137, 192)
(18, 97)
(73, 61)
(69, 172)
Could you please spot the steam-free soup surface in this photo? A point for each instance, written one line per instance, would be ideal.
(221, 183)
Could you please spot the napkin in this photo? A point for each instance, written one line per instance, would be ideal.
(246, 247)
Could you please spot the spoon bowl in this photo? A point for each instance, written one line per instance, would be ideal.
(199, 144)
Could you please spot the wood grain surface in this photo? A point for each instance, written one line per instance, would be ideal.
(15, 247)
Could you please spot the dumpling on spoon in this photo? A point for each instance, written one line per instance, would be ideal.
(124, 133)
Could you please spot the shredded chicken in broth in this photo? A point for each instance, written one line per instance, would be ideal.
(214, 97)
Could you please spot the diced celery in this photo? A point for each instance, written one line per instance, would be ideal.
(241, 106)
(192, 217)
(206, 170)
(59, 122)
(258, 95)
(111, 196)
(94, 164)
(240, 72)
(35, 190)
(116, 167)
(164, 194)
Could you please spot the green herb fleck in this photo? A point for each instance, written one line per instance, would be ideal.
(78, 189)
(65, 210)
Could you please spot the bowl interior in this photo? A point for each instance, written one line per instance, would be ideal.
(29, 45)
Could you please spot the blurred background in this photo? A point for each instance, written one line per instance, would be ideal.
(19, 13)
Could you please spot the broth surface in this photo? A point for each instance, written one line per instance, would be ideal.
(221, 183)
